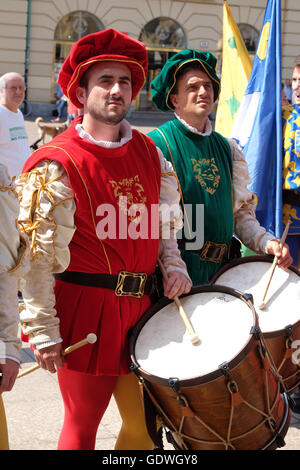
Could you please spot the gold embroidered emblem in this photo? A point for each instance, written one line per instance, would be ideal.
(130, 196)
(207, 173)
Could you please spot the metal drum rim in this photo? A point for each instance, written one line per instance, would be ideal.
(249, 259)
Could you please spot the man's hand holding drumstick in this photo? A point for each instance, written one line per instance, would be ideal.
(284, 259)
(176, 284)
(282, 253)
(52, 356)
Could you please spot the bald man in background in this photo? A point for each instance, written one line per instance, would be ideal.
(14, 146)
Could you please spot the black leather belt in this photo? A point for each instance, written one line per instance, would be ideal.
(211, 251)
(124, 284)
(289, 197)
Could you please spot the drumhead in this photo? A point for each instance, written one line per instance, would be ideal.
(222, 321)
(283, 297)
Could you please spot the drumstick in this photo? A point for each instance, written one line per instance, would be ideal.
(274, 264)
(90, 339)
(194, 338)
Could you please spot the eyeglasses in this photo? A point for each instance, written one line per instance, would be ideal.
(15, 88)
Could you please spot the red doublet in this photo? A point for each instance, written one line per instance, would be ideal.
(101, 176)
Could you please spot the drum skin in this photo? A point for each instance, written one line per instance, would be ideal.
(240, 407)
(278, 342)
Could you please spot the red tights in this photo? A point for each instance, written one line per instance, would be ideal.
(86, 398)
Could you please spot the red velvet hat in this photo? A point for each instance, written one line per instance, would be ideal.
(107, 45)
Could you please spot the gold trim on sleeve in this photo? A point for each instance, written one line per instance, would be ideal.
(89, 198)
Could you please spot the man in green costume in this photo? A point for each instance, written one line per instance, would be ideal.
(211, 170)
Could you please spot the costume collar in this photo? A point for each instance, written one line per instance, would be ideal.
(125, 133)
(207, 130)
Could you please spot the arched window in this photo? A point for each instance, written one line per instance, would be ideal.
(250, 36)
(163, 37)
(163, 32)
(70, 29)
(76, 25)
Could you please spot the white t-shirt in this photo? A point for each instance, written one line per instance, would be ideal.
(14, 145)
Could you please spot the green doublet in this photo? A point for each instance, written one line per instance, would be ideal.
(204, 167)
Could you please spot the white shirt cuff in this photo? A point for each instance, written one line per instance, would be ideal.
(48, 343)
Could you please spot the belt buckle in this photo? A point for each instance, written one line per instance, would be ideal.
(220, 246)
(119, 290)
(221, 254)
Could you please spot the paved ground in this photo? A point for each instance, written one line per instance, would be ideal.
(35, 414)
(34, 407)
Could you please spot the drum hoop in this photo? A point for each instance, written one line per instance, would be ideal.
(203, 379)
(277, 333)
(250, 259)
(247, 259)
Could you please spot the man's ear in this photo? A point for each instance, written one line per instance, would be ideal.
(173, 99)
(81, 94)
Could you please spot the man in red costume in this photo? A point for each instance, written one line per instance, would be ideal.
(93, 202)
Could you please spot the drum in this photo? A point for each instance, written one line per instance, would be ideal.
(222, 393)
(279, 320)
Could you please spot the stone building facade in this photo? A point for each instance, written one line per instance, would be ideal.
(36, 35)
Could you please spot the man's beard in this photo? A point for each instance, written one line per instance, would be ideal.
(106, 116)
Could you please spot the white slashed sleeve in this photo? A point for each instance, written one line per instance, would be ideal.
(246, 226)
(12, 265)
(47, 208)
(171, 220)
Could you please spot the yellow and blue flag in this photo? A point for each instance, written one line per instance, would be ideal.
(236, 69)
(257, 127)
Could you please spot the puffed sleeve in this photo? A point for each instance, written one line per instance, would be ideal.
(170, 219)
(9, 235)
(247, 227)
(46, 216)
(12, 263)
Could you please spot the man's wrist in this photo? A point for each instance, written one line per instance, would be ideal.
(48, 343)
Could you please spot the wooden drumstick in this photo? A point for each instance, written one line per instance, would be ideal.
(194, 338)
(274, 264)
(90, 339)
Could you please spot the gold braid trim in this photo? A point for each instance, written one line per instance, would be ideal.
(30, 228)
(9, 188)
(89, 199)
(24, 243)
(168, 173)
(32, 225)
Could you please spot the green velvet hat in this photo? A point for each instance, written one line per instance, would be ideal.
(163, 83)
